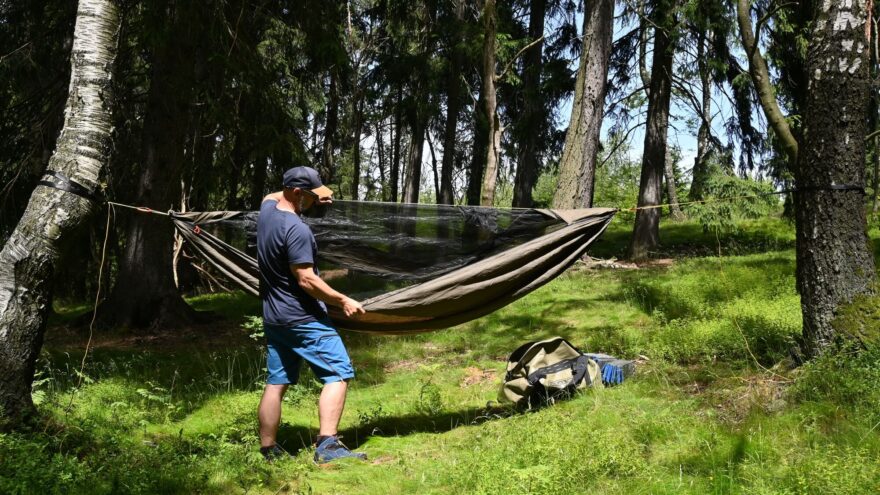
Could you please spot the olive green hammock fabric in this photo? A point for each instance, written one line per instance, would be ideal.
(491, 275)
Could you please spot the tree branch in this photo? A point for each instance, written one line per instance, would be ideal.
(518, 54)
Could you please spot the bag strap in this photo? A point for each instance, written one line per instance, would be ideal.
(578, 366)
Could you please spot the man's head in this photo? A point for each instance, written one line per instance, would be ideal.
(303, 188)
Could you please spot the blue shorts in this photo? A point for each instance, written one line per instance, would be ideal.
(316, 342)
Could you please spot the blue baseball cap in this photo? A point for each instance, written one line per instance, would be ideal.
(306, 178)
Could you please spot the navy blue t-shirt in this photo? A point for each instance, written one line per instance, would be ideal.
(283, 239)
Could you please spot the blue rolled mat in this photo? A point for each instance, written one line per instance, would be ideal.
(614, 371)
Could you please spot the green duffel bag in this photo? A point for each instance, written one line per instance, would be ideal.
(545, 371)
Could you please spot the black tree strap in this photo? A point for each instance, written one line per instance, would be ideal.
(832, 187)
(64, 183)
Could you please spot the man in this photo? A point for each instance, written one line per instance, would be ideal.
(295, 318)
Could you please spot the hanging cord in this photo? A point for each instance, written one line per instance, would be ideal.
(832, 187)
(142, 209)
(82, 367)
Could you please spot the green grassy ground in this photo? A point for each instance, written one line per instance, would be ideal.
(714, 407)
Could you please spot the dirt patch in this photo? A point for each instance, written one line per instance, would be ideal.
(764, 393)
(405, 365)
(615, 264)
(474, 375)
(383, 459)
(216, 335)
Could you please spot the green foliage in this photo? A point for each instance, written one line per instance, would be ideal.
(730, 199)
(617, 178)
(430, 402)
(253, 325)
(846, 378)
(545, 188)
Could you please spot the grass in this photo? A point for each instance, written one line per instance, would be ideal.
(714, 407)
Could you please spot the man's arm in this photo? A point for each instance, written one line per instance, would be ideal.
(317, 288)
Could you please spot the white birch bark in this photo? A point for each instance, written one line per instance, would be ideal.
(29, 258)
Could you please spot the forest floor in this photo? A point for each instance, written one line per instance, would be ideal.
(716, 405)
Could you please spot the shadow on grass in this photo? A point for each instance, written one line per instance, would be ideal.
(294, 438)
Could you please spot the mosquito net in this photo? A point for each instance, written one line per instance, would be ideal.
(417, 267)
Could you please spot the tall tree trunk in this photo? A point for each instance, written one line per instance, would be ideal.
(577, 167)
(700, 171)
(761, 79)
(644, 75)
(671, 192)
(453, 108)
(413, 177)
(433, 166)
(145, 294)
(258, 188)
(356, 146)
(489, 97)
(31, 254)
(834, 258)
(328, 167)
(530, 127)
(478, 155)
(380, 148)
(398, 130)
(646, 231)
(238, 163)
(875, 109)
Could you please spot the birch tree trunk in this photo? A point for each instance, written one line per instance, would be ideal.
(577, 167)
(646, 231)
(834, 258)
(33, 251)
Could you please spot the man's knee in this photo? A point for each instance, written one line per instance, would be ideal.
(272, 390)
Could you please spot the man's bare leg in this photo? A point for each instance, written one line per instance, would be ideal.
(330, 407)
(270, 413)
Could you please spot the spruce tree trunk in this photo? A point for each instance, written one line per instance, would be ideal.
(356, 146)
(328, 167)
(453, 108)
(700, 171)
(834, 259)
(577, 167)
(258, 188)
(478, 156)
(398, 130)
(380, 148)
(646, 231)
(29, 259)
(145, 294)
(530, 127)
(490, 100)
(413, 176)
(671, 192)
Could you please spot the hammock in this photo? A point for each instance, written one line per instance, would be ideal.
(424, 267)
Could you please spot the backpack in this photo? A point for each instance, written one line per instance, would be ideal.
(544, 371)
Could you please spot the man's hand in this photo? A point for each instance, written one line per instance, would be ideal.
(352, 308)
